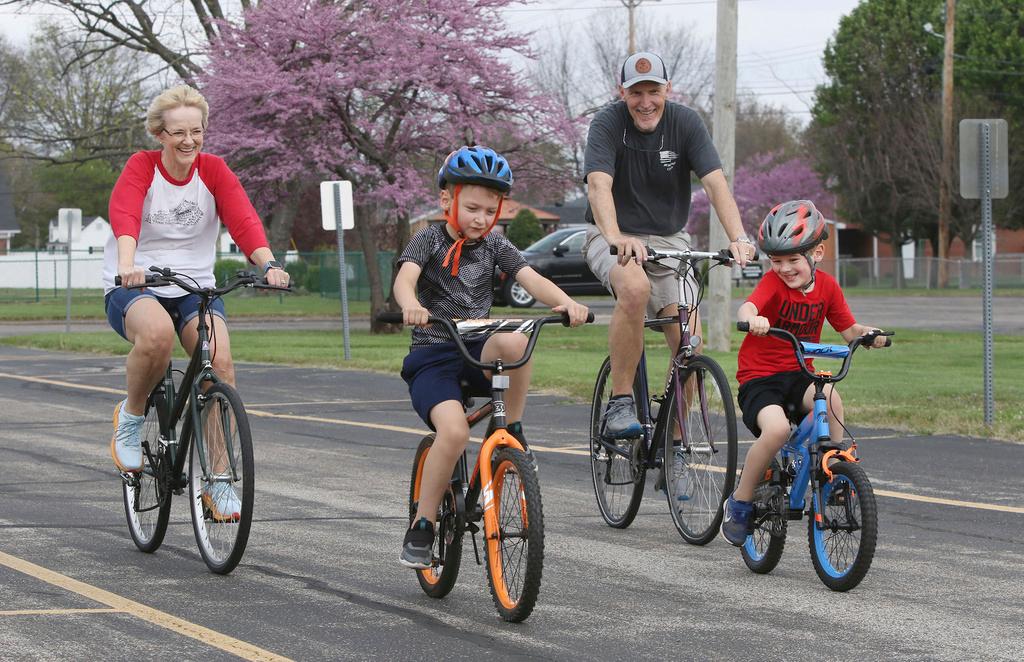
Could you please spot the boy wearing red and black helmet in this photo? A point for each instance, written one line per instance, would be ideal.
(796, 297)
(447, 271)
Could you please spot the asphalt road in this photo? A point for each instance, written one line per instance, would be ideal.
(320, 579)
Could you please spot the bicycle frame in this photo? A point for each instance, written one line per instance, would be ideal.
(800, 453)
(655, 426)
(198, 372)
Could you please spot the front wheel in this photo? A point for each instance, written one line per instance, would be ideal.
(842, 536)
(700, 450)
(515, 552)
(439, 579)
(221, 476)
(147, 496)
(763, 547)
(618, 477)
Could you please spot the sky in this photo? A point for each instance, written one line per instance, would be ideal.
(779, 42)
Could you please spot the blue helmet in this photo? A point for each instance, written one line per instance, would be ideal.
(476, 165)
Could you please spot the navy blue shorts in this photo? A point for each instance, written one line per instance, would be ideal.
(435, 373)
(181, 309)
(785, 389)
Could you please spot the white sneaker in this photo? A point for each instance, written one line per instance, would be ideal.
(681, 474)
(126, 444)
(222, 502)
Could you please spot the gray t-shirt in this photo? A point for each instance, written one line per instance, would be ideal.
(650, 171)
(466, 296)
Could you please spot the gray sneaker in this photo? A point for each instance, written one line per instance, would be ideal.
(620, 420)
(417, 546)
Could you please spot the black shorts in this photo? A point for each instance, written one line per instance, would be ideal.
(437, 372)
(785, 389)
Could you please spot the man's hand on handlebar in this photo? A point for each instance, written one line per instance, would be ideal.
(629, 249)
(415, 316)
(577, 312)
(878, 341)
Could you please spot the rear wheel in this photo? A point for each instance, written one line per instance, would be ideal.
(843, 541)
(618, 478)
(221, 476)
(763, 548)
(439, 579)
(515, 552)
(147, 496)
(700, 450)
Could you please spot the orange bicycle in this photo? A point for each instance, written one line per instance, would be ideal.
(502, 490)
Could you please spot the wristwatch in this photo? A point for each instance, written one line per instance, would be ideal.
(272, 264)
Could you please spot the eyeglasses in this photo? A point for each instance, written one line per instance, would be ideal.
(661, 147)
(197, 134)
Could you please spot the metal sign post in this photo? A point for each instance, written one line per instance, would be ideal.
(337, 214)
(983, 145)
(71, 217)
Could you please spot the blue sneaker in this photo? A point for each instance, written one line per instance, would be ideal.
(126, 444)
(736, 523)
(620, 421)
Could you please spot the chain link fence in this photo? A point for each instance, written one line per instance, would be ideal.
(27, 276)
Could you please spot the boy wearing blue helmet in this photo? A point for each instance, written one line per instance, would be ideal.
(446, 271)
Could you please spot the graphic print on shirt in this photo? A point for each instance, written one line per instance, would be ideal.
(186, 214)
(801, 319)
(668, 158)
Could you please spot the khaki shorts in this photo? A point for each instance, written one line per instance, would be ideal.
(664, 284)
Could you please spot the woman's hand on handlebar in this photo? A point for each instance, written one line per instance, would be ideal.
(415, 316)
(277, 277)
(131, 275)
(577, 312)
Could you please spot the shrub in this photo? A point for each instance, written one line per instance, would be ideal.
(524, 229)
(225, 269)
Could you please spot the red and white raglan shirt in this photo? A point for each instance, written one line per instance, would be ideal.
(177, 222)
(801, 314)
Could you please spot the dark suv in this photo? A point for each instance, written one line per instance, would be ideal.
(557, 256)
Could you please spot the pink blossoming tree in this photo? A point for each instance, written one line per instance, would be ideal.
(376, 92)
(762, 183)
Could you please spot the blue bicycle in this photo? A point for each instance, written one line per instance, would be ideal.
(842, 524)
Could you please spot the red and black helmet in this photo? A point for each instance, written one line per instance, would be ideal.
(792, 227)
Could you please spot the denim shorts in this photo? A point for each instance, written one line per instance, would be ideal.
(181, 309)
(435, 373)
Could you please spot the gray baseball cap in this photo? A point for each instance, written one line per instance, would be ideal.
(643, 66)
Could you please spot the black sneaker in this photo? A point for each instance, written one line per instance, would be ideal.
(417, 546)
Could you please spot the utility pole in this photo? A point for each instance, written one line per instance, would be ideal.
(724, 135)
(946, 176)
(631, 5)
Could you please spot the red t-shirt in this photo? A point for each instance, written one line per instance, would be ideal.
(801, 314)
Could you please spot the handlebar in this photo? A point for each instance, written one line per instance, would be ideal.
(801, 349)
(453, 332)
(162, 277)
(722, 257)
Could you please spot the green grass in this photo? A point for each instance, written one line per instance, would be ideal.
(88, 304)
(927, 383)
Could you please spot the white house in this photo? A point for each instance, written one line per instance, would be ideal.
(87, 235)
(8, 222)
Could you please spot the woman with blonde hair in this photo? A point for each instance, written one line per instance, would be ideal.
(166, 210)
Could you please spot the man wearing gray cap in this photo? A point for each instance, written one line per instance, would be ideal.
(640, 152)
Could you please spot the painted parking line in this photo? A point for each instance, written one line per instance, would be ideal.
(177, 625)
(61, 612)
(571, 450)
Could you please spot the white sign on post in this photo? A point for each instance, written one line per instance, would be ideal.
(328, 212)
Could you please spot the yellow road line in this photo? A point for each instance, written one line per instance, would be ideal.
(541, 449)
(60, 612)
(156, 617)
(57, 382)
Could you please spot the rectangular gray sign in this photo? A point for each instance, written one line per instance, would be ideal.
(970, 158)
